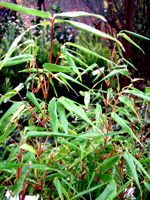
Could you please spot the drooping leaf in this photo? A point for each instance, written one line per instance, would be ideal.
(109, 192)
(87, 191)
(17, 60)
(10, 111)
(120, 121)
(70, 60)
(28, 148)
(79, 14)
(136, 35)
(89, 29)
(25, 10)
(71, 106)
(129, 40)
(71, 79)
(62, 116)
(127, 156)
(16, 41)
(33, 100)
(7, 132)
(127, 102)
(116, 72)
(88, 51)
(56, 68)
(22, 179)
(58, 188)
(138, 93)
(52, 109)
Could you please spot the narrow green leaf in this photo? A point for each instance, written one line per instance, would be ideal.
(62, 116)
(7, 132)
(86, 99)
(116, 72)
(5, 165)
(64, 191)
(140, 167)
(147, 185)
(79, 14)
(71, 79)
(15, 43)
(108, 163)
(10, 111)
(44, 167)
(89, 29)
(127, 156)
(128, 102)
(28, 148)
(58, 188)
(70, 105)
(126, 61)
(17, 60)
(22, 179)
(67, 183)
(70, 61)
(109, 192)
(87, 191)
(136, 35)
(25, 10)
(53, 115)
(124, 126)
(56, 68)
(125, 186)
(138, 93)
(33, 100)
(69, 144)
(88, 51)
(129, 40)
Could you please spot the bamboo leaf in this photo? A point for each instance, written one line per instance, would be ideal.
(71, 79)
(116, 72)
(10, 111)
(17, 60)
(127, 102)
(140, 167)
(87, 191)
(15, 43)
(28, 148)
(136, 35)
(127, 156)
(70, 105)
(124, 126)
(25, 10)
(88, 51)
(108, 163)
(33, 100)
(79, 14)
(7, 132)
(53, 115)
(57, 68)
(138, 93)
(22, 179)
(62, 116)
(6, 165)
(89, 29)
(58, 188)
(109, 192)
(129, 40)
(70, 60)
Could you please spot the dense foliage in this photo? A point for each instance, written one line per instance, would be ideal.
(62, 149)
